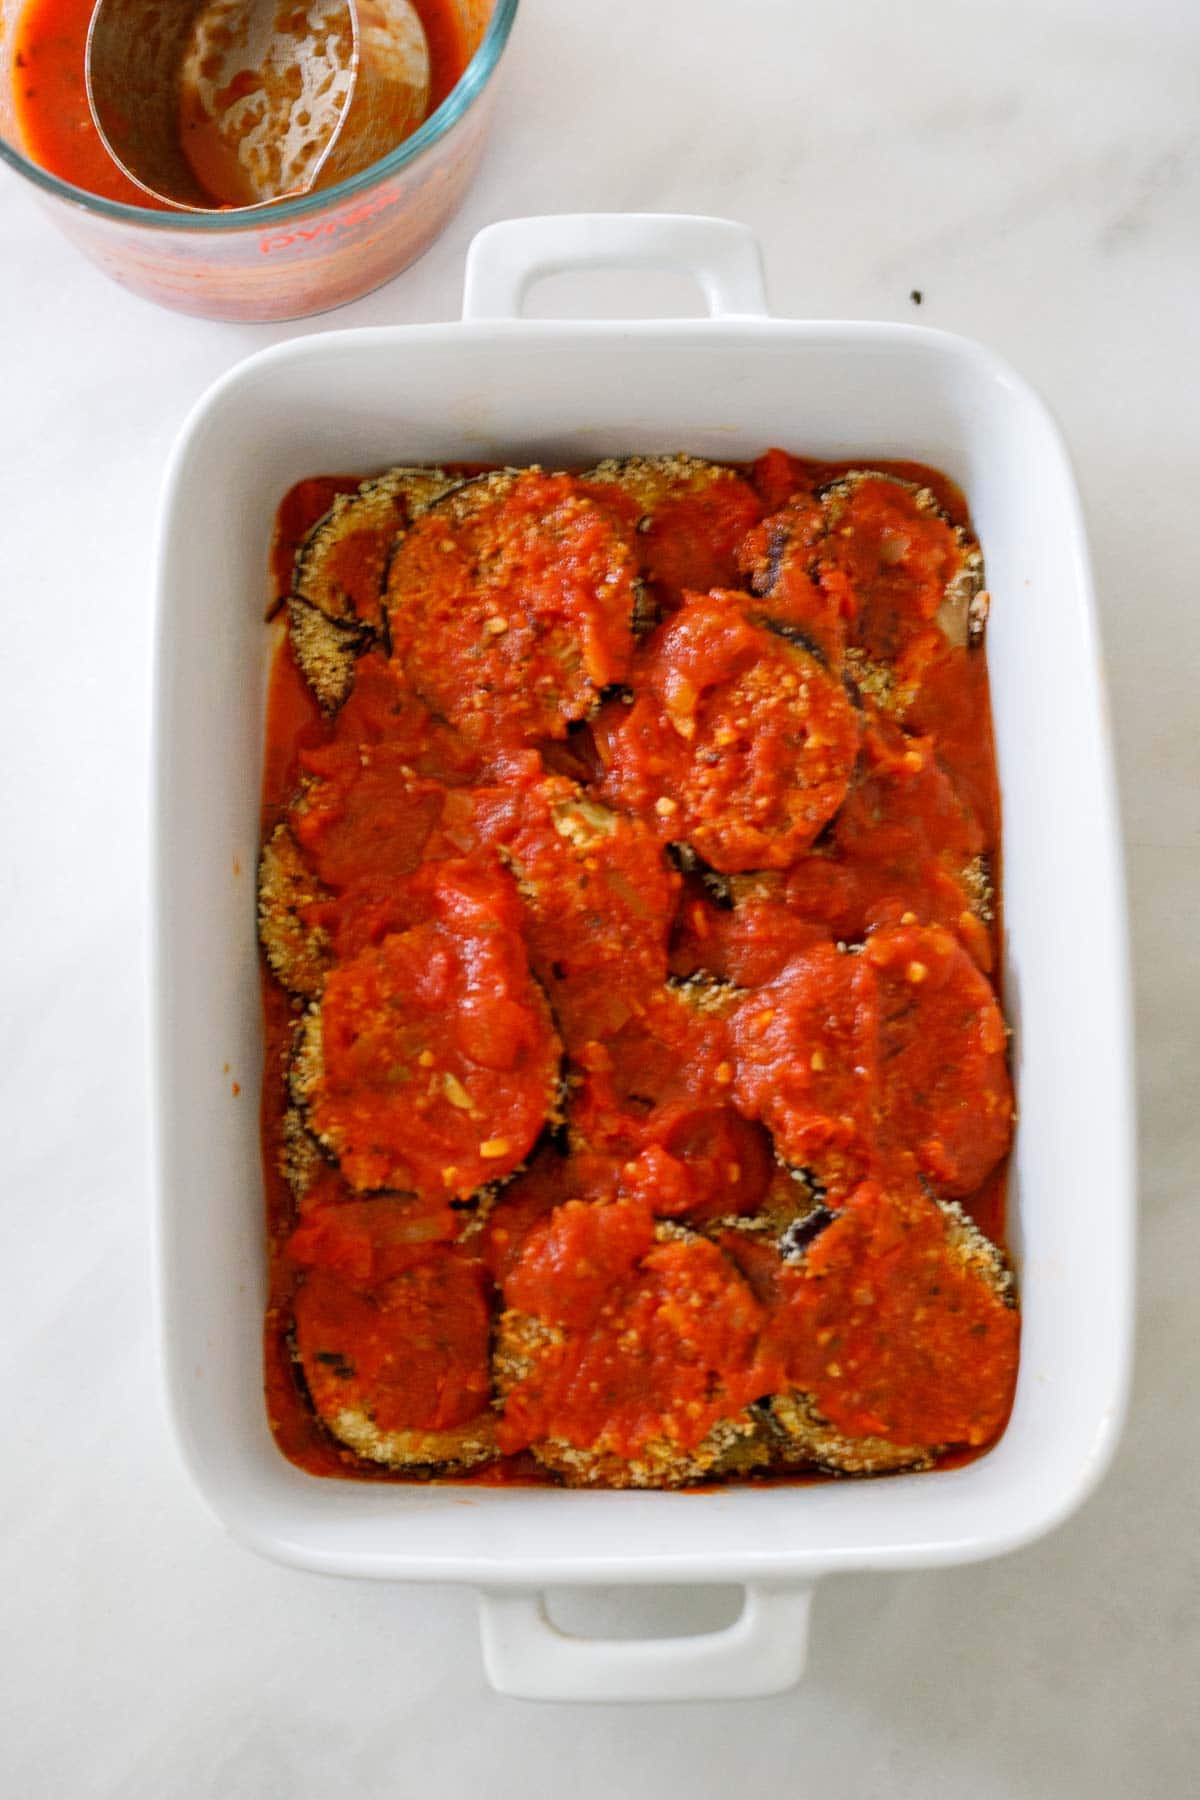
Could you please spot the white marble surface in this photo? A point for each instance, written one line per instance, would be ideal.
(1034, 170)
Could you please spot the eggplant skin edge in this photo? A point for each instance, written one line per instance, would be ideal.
(414, 1450)
(326, 651)
(305, 1148)
(387, 503)
(801, 1436)
(733, 1446)
(327, 636)
(298, 955)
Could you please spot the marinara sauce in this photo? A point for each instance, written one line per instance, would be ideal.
(653, 877)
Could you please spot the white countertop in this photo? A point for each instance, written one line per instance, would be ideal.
(1034, 170)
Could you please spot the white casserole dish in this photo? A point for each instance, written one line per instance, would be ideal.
(496, 387)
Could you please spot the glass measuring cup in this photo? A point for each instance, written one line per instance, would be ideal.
(304, 255)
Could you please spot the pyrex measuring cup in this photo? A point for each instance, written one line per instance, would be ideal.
(301, 256)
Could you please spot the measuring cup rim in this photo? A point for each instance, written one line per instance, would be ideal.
(466, 90)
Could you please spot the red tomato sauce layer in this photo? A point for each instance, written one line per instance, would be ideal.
(636, 1105)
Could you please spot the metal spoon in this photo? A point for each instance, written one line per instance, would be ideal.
(212, 104)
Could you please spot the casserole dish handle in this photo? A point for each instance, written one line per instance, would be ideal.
(528, 1657)
(506, 259)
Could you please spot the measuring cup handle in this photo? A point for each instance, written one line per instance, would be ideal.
(504, 260)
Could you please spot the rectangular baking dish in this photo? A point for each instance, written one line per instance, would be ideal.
(497, 387)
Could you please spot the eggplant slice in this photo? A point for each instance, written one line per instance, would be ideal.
(960, 619)
(787, 546)
(326, 651)
(708, 996)
(791, 1213)
(980, 889)
(306, 1082)
(344, 579)
(478, 626)
(439, 1453)
(736, 1445)
(962, 615)
(298, 952)
(353, 1347)
(802, 1438)
(653, 480)
(717, 887)
(598, 898)
(335, 609)
(800, 1435)
(300, 1156)
(708, 506)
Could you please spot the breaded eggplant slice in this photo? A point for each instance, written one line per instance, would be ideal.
(449, 1452)
(877, 572)
(297, 949)
(364, 813)
(510, 605)
(897, 1319)
(326, 651)
(908, 558)
(780, 558)
(900, 1049)
(905, 844)
(653, 482)
(690, 515)
(706, 995)
(599, 895)
(317, 1183)
(908, 579)
(639, 1368)
(430, 1063)
(806, 1066)
(944, 1096)
(300, 1158)
(335, 610)
(342, 563)
(655, 1100)
(741, 931)
(393, 1340)
(791, 1211)
(738, 742)
(801, 1438)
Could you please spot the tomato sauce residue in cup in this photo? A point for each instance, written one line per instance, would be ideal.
(51, 96)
